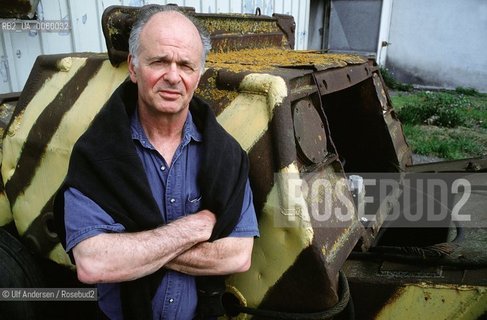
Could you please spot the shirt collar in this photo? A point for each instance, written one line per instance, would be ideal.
(190, 132)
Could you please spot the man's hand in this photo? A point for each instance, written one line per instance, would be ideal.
(117, 257)
(210, 221)
(222, 256)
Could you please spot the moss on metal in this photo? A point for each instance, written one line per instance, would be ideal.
(229, 24)
(270, 58)
(211, 92)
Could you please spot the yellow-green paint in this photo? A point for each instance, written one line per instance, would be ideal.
(292, 198)
(59, 255)
(430, 301)
(247, 117)
(274, 87)
(274, 252)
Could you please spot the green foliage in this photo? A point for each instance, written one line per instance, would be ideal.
(448, 144)
(440, 109)
(467, 91)
(449, 125)
(392, 83)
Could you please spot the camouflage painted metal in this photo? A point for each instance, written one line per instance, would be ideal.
(54, 109)
(265, 111)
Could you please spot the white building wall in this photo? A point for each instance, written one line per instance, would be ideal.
(19, 49)
(439, 43)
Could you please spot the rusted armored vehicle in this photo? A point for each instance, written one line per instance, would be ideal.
(316, 126)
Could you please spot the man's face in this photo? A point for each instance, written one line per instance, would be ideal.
(169, 64)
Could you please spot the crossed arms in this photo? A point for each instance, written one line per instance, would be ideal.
(180, 245)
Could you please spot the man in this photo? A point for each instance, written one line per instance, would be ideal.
(141, 175)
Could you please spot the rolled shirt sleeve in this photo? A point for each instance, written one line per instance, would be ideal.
(84, 218)
(247, 225)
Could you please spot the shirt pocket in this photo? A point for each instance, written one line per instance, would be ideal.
(193, 204)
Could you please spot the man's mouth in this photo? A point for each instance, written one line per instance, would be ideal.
(169, 94)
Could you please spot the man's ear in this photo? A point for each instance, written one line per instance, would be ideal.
(133, 74)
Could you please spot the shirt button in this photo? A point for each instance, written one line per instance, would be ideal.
(172, 200)
(163, 168)
(171, 300)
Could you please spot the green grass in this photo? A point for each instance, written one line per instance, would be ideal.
(450, 125)
(449, 144)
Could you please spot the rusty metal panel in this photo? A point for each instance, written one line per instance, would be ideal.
(402, 150)
(310, 135)
(334, 80)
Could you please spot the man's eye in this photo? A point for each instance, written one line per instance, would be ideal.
(157, 62)
(187, 67)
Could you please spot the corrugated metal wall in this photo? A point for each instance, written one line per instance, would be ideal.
(19, 49)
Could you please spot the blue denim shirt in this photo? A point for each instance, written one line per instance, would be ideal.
(177, 194)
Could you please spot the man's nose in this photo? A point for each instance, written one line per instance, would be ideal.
(172, 74)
